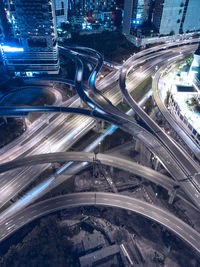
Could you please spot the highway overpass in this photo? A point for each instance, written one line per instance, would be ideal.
(157, 214)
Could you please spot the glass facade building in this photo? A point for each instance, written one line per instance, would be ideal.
(136, 12)
(176, 17)
(61, 8)
(33, 26)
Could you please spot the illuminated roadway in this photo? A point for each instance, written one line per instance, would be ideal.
(106, 159)
(53, 144)
(187, 139)
(178, 163)
(109, 160)
(53, 147)
(165, 218)
(183, 160)
(165, 139)
(139, 134)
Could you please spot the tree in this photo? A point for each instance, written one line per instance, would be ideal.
(45, 245)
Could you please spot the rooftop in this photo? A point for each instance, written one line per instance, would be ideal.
(97, 256)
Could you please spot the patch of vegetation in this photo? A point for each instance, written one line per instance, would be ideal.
(65, 188)
(142, 89)
(113, 45)
(46, 245)
(188, 58)
(164, 74)
(88, 138)
(149, 105)
(10, 130)
(119, 137)
(68, 67)
(194, 103)
(41, 178)
(167, 98)
(124, 107)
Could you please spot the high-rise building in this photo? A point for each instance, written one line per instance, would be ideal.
(33, 47)
(4, 25)
(100, 5)
(191, 16)
(78, 10)
(76, 7)
(136, 12)
(176, 16)
(194, 73)
(61, 7)
(81, 7)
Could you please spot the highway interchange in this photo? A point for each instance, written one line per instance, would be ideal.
(105, 109)
(181, 229)
(187, 139)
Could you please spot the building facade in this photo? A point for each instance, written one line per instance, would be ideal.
(91, 11)
(136, 12)
(33, 46)
(191, 21)
(100, 5)
(145, 19)
(61, 9)
(176, 16)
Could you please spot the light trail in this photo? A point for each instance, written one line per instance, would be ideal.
(32, 194)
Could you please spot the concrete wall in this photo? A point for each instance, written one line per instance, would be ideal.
(171, 16)
(192, 18)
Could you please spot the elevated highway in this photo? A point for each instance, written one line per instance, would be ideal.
(179, 130)
(106, 159)
(157, 214)
(107, 111)
(114, 161)
(180, 157)
(139, 132)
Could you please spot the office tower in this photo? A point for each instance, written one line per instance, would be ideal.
(4, 23)
(194, 73)
(191, 16)
(88, 7)
(176, 17)
(197, 56)
(136, 12)
(100, 5)
(81, 7)
(61, 7)
(33, 47)
(76, 7)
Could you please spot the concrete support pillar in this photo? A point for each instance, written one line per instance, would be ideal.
(148, 157)
(5, 119)
(144, 154)
(99, 126)
(111, 171)
(27, 122)
(71, 88)
(123, 100)
(172, 196)
(102, 125)
(81, 104)
(157, 164)
(137, 145)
